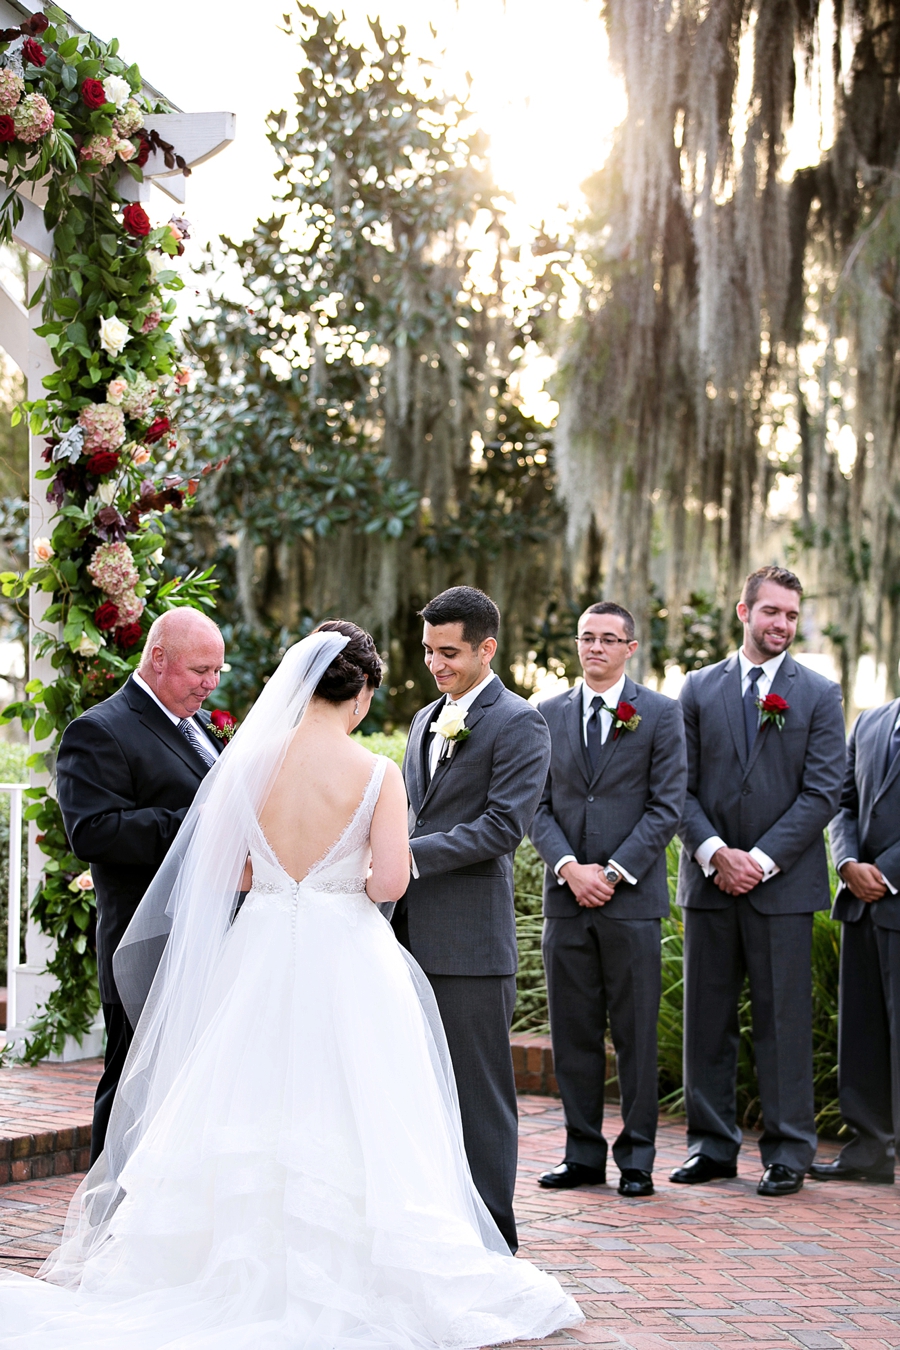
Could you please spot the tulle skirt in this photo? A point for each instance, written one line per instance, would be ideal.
(303, 1186)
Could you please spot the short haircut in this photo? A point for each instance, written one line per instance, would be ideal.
(479, 616)
(610, 607)
(779, 576)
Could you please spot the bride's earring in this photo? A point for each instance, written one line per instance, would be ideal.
(356, 708)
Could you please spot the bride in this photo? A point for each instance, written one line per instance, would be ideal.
(284, 1167)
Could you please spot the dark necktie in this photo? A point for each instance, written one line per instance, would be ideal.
(751, 712)
(190, 732)
(893, 748)
(595, 730)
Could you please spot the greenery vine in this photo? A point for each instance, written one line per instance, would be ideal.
(71, 114)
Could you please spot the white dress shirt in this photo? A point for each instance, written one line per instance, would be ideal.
(612, 697)
(465, 702)
(711, 845)
(173, 717)
(839, 865)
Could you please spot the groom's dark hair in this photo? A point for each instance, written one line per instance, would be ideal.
(479, 616)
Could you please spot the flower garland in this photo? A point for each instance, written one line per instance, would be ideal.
(71, 113)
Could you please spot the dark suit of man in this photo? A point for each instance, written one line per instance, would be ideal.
(606, 961)
(458, 917)
(867, 830)
(125, 779)
(778, 798)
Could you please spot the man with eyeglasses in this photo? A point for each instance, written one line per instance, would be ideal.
(612, 801)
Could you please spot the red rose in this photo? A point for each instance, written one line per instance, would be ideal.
(221, 719)
(107, 615)
(774, 703)
(93, 95)
(136, 220)
(104, 461)
(7, 129)
(129, 635)
(156, 430)
(625, 712)
(34, 52)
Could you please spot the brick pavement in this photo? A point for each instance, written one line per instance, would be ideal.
(45, 1114)
(710, 1266)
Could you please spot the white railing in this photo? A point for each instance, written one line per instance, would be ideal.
(14, 917)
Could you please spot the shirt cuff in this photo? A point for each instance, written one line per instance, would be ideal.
(838, 866)
(770, 868)
(566, 858)
(704, 853)
(892, 889)
(626, 876)
(412, 864)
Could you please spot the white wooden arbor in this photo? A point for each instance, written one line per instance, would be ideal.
(196, 137)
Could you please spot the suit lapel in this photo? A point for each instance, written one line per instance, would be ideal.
(473, 717)
(574, 720)
(417, 752)
(880, 750)
(155, 720)
(781, 684)
(734, 706)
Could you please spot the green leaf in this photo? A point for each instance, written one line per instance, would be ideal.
(109, 243)
(67, 49)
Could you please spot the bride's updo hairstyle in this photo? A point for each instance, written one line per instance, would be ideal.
(357, 665)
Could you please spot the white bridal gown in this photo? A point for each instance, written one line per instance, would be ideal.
(303, 1186)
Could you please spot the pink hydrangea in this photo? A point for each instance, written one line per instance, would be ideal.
(151, 321)
(129, 119)
(12, 87)
(138, 401)
(130, 607)
(101, 149)
(112, 570)
(104, 427)
(33, 118)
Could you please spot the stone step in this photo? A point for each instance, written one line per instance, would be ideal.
(45, 1119)
(533, 1065)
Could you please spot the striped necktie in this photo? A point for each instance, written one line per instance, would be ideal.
(189, 731)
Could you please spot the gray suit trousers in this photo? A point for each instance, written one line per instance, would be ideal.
(869, 1043)
(477, 1013)
(597, 968)
(721, 947)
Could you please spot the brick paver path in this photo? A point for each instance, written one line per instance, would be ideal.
(706, 1266)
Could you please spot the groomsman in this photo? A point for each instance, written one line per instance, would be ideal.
(865, 843)
(611, 803)
(765, 745)
(126, 773)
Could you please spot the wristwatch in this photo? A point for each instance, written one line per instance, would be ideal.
(612, 876)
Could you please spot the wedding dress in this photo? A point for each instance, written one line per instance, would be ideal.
(297, 1181)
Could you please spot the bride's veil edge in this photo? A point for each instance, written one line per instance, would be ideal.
(167, 958)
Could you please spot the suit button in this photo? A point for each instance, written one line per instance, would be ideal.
(590, 799)
(745, 792)
(420, 823)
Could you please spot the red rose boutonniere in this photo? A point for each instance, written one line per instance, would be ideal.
(625, 718)
(222, 725)
(772, 709)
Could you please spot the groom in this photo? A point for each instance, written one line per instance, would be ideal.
(475, 767)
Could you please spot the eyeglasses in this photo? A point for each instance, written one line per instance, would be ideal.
(589, 640)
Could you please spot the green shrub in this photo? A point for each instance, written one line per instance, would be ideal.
(392, 744)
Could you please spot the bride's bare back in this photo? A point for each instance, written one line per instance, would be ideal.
(318, 788)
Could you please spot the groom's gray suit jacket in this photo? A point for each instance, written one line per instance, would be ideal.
(465, 826)
(867, 827)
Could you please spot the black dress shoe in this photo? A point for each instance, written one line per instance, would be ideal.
(701, 1167)
(634, 1182)
(570, 1174)
(839, 1171)
(779, 1180)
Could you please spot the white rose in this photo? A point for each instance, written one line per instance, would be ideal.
(106, 493)
(450, 722)
(159, 262)
(43, 550)
(159, 558)
(117, 90)
(113, 335)
(85, 882)
(85, 647)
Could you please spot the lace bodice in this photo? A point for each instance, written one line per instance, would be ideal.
(340, 871)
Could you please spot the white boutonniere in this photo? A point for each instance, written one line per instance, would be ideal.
(451, 724)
